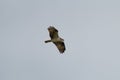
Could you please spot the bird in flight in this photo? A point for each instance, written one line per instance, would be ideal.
(59, 42)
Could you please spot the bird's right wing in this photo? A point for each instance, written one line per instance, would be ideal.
(60, 45)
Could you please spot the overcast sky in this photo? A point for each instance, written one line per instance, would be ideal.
(90, 28)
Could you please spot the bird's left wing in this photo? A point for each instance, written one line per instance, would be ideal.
(53, 32)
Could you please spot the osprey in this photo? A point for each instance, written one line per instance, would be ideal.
(59, 42)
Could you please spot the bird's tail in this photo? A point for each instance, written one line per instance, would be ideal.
(47, 41)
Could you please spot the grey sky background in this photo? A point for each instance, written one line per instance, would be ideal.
(90, 28)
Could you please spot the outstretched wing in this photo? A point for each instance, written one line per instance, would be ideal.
(53, 32)
(60, 45)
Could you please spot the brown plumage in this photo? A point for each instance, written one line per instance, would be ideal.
(59, 42)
